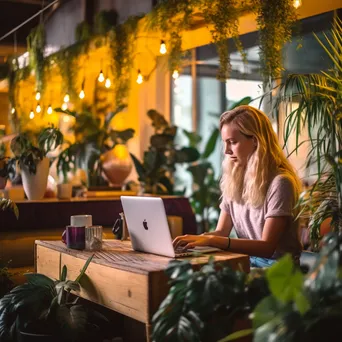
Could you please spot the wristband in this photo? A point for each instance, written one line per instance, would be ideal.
(228, 243)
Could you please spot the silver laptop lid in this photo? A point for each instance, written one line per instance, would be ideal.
(147, 225)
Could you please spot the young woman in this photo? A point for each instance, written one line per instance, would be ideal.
(260, 190)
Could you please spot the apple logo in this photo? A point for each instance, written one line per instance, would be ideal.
(145, 224)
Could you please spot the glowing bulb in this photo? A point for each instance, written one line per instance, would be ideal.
(175, 74)
(81, 94)
(108, 83)
(37, 95)
(31, 114)
(13, 110)
(101, 77)
(66, 118)
(49, 110)
(297, 3)
(162, 49)
(64, 106)
(38, 108)
(66, 98)
(140, 78)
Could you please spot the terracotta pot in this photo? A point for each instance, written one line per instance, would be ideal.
(35, 185)
(3, 182)
(117, 165)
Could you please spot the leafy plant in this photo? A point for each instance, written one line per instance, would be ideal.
(158, 166)
(94, 136)
(319, 110)
(282, 303)
(6, 283)
(29, 152)
(6, 204)
(44, 306)
(105, 20)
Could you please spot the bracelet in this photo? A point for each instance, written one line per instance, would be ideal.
(228, 243)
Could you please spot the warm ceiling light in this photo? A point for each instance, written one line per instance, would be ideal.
(31, 114)
(101, 77)
(108, 83)
(38, 108)
(64, 106)
(81, 94)
(49, 110)
(162, 49)
(66, 98)
(175, 74)
(37, 95)
(297, 3)
(140, 78)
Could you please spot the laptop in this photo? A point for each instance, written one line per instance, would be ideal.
(148, 228)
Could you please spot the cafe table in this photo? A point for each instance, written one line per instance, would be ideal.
(119, 278)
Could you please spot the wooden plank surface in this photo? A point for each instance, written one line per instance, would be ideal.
(120, 255)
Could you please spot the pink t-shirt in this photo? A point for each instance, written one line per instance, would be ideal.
(280, 200)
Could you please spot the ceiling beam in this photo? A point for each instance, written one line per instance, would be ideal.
(28, 2)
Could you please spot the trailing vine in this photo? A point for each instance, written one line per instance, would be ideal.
(122, 49)
(275, 21)
(36, 46)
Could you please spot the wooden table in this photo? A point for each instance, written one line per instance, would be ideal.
(128, 282)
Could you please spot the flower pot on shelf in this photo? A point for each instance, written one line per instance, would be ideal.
(64, 191)
(116, 165)
(3, 182)
(35, 184)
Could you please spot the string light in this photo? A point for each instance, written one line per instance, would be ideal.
(140, 78)
(49, 110)
(81, 94)
(37, 95)
(108, 83)
(66, 98)
(31, 114)
(38, 108)
(162, 49)
(13, 110)
(297, 3)
(64, 106)
(175, 74)
(101, 77)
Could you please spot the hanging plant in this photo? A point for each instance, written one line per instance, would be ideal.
(275, 21)
(83, 31)
(105, 21)
(122, 40)
(36, 46)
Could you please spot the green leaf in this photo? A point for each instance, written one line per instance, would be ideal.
(63, 273)
(138, 167)
(211, 144)
(78, 279)
(186, 155)
(38, 279)
(245, 101)
(302, 303)
(236, 335)
(284, 279)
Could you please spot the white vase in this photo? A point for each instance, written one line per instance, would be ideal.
(64, 191)
(35, 184)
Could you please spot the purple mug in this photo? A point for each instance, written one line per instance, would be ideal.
(74, 237)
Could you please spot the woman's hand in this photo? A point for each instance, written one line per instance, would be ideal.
(191, 241)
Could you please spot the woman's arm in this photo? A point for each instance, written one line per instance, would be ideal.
(224, 225)
(273, 229)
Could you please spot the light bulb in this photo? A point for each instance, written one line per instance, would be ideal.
(13, 110)
(101, 77)
(66, 98)
(162, 49)
(66, 118)
(81, 94)
(31, 114)
(64, 106)
(140, 78)
(38, 108)
(297, 3)
(49, 110)
(175, 74)
(108, 83)
(37, 95)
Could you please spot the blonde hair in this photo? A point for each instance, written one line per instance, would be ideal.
(263, 165)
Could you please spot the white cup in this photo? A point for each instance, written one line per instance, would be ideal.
(81, 220)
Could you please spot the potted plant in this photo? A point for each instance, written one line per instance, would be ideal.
(4, 171)
(275, 304)
(6, 283)
(318, 109)
(32, 159)
(6, 203)
(100, 149)
(65, 164)
(158, 166)
(46, 310)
